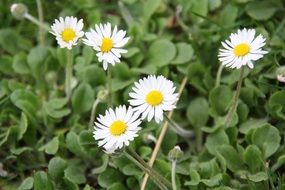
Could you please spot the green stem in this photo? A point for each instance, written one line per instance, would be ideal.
(135, 155)
(37, 22)
(178, 129)
(219, 73)
(109, 78)
(41, 20)
(235, 100)
(158, 182)
(92, 116)
(173, 171)
(68, 74)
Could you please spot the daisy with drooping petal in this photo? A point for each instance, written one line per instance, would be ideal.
(67, 31)
(108, 44)
(153, 95)
(116, 128)
(242, 49)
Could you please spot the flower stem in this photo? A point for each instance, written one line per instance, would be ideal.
(109, 78)
(178, 129)
(173, 171)
(68, 73)
(41, 20)
(37, 22)
(235, 100)
(92, 116)
(219, 73)
(161, 136)
(157, 175)
(158, 183)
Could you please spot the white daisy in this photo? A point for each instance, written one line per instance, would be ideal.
(153, 95)
(109, 45)
(67, 31)
(242, 49)
(116, 128)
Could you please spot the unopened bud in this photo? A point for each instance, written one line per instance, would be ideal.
(19, 10)
(281, 74)
(102, 94)
(175, 154)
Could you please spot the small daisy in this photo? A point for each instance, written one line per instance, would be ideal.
(242, 49)
(67, 31)
(116, 128)
(153, 95)
(107, 44)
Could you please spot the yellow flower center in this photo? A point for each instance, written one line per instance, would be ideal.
(118, 127)
(68, 34)
(154, 98)
(241, 49)
(107, 45)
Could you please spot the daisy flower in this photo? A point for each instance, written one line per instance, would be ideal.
(108, 44)
(153, 95)
(116, 128)
(67, 31)
(242, 49)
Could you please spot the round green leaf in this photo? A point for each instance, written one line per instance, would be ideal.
(184, 53)
(198, 112)
(83, 98)
(56, 167)
(161, 52)
(261, 10)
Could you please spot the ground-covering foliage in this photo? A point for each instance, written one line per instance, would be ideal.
(47, 142)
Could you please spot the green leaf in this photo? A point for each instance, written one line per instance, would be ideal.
(26, 101)
(73, 144)
(258, 177)
(23, 125)
(233, 159)
(195, 178)
(9, 40)
(6, 64)
(131, 170)
(213, 181)
(117, 186)
(197, 112)
(54, 107)
(37, 57)
(109, 177)
(20, 64)
(56, 167)
(195, 74)
(277, 104)
(261, 10)
(28, 183)
(161, 52)
(199, 8)
(82, 98)
(102, 168)
(184, 53)
(149, 7)
(75, 174)
(267, 138)
(251, 124)
(253, 158)
(228, 15)
(52, 146)
(217, 94)
(215, 140)
(42, 182)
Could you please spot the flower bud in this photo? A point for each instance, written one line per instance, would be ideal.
(281, 74)
(175, 154)
(19, 10)
(102, 94)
